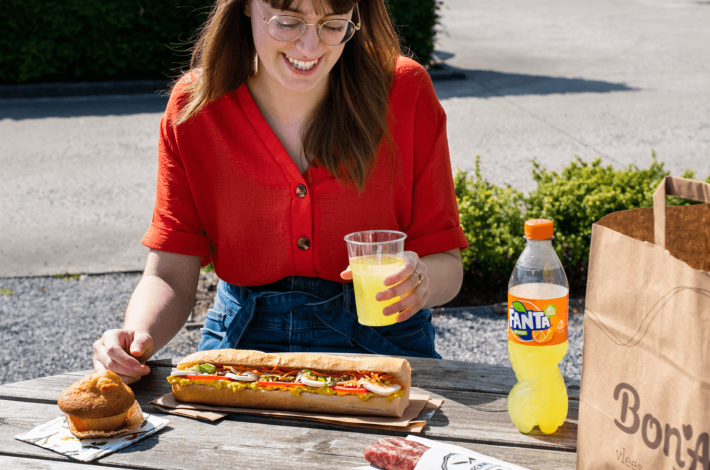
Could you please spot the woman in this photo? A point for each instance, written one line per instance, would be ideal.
(298, 124)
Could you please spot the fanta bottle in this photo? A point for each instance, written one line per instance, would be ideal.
(538, 295)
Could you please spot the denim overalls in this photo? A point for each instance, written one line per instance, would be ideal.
(307, 314)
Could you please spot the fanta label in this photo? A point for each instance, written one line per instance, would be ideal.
(537, 322)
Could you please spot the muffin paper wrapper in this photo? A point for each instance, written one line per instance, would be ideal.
(134, 420)
(57, 436)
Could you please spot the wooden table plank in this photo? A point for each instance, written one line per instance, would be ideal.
(19, 463)
(470, 376)
(426, 373)
(483, 417)
(474, 415)
(465, 416)
(242, 441)
(47, 389)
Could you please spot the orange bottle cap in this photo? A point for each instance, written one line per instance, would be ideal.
(539, 229)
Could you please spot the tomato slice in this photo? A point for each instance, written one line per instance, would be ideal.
(207, 377)
(350, 389)
(280, 384)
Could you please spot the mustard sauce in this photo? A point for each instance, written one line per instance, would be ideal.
(239, 386)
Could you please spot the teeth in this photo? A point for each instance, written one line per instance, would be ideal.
(301, 64)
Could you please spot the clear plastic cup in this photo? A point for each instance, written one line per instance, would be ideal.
(374, 255)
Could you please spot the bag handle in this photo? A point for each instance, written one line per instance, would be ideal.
(674, 186)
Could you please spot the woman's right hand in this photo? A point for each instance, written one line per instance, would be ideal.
(111, 352)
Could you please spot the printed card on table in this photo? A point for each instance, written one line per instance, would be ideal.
(441, 456)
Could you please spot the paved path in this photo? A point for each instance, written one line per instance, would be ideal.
(553, 79)
(78, 183)
(545, 80)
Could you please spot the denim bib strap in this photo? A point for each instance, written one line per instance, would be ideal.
(242, 316)
(237, 306)
(241, 302)
(276, 301)
(366, 337)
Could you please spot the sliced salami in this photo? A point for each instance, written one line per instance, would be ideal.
(395, 453)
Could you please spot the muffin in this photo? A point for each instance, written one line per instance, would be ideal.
(98, 402)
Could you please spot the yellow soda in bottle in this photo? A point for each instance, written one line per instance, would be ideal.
(538, 298)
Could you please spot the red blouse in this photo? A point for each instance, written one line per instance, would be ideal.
(228, 191)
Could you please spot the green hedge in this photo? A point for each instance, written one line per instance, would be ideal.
(582, 193)
(94, 39)
(415, 21)
(72, 40)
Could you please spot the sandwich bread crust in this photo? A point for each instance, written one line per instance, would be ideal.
(281, 400)
(398, 368)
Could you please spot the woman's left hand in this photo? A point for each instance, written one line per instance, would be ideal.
(410, 282)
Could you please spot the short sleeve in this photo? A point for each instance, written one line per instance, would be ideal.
(435, 225)
(176, 225)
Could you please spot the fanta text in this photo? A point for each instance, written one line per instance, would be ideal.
(530, 320)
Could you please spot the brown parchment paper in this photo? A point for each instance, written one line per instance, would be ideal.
(414, 419)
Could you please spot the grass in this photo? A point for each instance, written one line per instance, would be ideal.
(67, 277)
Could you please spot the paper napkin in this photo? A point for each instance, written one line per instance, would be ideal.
(55, 436)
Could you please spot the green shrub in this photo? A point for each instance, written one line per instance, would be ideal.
(208, 269)
(118, 39)
(415, 21)
(492, 220)
(89, 40)
(582, 193)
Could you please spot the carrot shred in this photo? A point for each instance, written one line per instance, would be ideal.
(322, 375)
(397, 382)
(356, 374)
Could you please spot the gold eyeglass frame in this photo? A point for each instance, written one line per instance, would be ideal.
(319, 25)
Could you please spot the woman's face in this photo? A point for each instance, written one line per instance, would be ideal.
(276, 59)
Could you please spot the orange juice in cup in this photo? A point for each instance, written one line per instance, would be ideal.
(374, 256)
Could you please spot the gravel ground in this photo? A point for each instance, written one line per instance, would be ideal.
(48, 326)
(479, 335)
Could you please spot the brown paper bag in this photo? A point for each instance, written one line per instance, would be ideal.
(645, 398)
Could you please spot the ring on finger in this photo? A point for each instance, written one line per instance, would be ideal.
(420, 277)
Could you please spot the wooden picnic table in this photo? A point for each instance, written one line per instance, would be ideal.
(474, 416)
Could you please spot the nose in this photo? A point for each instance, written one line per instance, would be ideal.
(309, 42)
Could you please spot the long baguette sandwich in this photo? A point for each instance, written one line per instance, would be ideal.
(294, 381)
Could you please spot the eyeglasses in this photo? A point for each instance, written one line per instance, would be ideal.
(287, 28)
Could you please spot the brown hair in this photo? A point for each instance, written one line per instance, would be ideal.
(349, 123)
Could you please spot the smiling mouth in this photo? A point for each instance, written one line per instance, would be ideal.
(302, 65)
